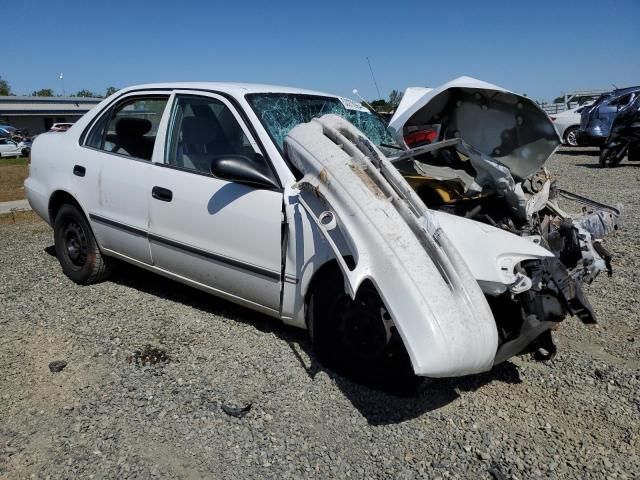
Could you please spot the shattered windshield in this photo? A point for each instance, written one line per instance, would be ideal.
(280, 112)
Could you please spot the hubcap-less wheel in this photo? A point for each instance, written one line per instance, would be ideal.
(610, 157)
(361, 323)
(76, 247)
(571, 137)
(76, 244)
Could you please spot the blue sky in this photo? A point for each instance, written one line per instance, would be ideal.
(536, 47)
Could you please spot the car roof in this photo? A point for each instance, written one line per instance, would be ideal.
(622, 91)
(236, 89)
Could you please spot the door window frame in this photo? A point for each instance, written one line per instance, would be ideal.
(108, 112)
(166, 126)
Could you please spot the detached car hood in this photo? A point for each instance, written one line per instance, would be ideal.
(509, 127)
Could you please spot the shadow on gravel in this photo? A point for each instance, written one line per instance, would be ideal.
(579, 153)
(384, 408)
(378, 407)
(597, 165)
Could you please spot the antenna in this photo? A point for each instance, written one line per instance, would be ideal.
(61, 77)
(355, 92)
(373, 110)
(374, 78)
(614, 85)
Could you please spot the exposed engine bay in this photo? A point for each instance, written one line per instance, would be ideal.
(487, 165)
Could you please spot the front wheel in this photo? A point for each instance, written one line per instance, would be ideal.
(77, 249)
(357, 337)
(610, 157)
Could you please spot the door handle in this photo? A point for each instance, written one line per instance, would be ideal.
(162, 194)
(79, 170)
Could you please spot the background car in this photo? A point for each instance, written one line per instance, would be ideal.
(9, 148)
(596, 120)
(7, 130)
(25, 146)
(567, 124)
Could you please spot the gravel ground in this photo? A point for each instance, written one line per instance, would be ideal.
(106, 415)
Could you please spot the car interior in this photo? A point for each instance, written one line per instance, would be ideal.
(130, 138)
(205, 129)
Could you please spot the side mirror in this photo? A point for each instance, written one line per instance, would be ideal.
(241, 169)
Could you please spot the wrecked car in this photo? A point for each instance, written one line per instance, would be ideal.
(301, 205)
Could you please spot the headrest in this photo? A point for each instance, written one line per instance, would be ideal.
(132, 126)
(199, 130)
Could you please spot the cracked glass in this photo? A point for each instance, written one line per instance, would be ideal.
(280, 112)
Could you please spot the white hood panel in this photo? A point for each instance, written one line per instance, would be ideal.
(506, 126)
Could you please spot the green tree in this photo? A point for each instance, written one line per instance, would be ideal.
(110, 91)
(394, 99)
(380, 105)
(5, 89)
(86, 93)
(43, 92)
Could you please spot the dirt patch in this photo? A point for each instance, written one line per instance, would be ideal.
(12, 179)
(19, 216)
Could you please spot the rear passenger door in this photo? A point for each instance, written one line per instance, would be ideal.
(121, 145)
(221, 234)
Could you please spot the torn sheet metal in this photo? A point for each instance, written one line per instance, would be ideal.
(509, 127)
(354, 193)
(492, 254)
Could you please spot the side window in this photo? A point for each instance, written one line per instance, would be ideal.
(201, 129)
(621, 101)
(130, 128)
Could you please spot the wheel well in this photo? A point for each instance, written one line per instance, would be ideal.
(57, 200)
(328, 272)
(323, 274)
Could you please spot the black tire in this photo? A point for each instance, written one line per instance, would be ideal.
(350, 337)
(77, 249)
(609, 157)
(633, 154)
(570, 136)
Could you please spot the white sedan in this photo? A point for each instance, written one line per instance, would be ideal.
(9, 148)
(270, 197)
(567, 124)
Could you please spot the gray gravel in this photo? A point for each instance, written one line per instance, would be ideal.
(109, 414)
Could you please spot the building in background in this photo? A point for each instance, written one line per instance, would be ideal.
(38, 114)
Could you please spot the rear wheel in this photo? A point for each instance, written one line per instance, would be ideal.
(77, 249)
(357, 337)
(610, 157)
(571, 136)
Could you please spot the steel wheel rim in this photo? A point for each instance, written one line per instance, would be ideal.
(76, 244)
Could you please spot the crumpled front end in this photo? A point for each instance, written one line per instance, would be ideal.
(487, 165)
(462, 294)
(367, 212)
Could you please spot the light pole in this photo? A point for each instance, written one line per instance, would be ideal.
(62, 81)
